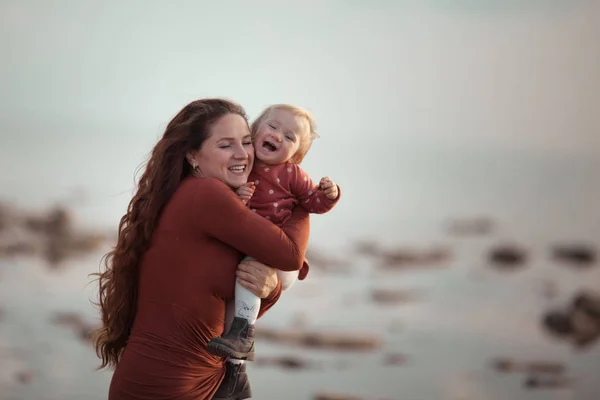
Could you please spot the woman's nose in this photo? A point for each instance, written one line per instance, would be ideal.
(240, 152)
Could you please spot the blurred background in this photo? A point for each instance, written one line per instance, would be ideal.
(465, 137)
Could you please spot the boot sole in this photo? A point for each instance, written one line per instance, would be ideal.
(224, 351)
(244, 394)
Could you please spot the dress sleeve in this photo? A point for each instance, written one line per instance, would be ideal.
(308, 194)
(219, 213)
(270, 301)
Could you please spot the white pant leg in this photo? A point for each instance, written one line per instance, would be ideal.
(287, 278)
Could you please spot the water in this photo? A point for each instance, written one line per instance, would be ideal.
(398, 195)
(468, 313)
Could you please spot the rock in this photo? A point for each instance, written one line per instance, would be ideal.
(558, 323)
(471, 227)
(50, 235)
(324, 262)
(338, 396)
(531, 367)
(322, 340)
(335, 396)
(508, 256)
(24, 377)
(14, 249)
(76, 323)
(394, 359)
(575, 255)
(367, 248)
(579, 323)
(390, 296)
(547, 382)
(403, 258)
(285, 362)
(56, 223)
(4, 216)
(587, 302)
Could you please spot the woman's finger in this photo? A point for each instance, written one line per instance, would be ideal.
(252, 266)
(244, 266)
(250, 286)
(246, 276)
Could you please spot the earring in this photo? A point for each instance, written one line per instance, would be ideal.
(194, 165)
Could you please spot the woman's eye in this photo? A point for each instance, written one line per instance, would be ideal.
(247, 143)
(224, 146)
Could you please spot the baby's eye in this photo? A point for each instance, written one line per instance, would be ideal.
(272, 127)
(247, 143)
(290, 138)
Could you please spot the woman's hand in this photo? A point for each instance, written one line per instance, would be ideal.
(257, 277)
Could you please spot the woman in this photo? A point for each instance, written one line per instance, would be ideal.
(163, 293)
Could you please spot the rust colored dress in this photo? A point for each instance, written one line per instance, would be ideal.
(187, 276)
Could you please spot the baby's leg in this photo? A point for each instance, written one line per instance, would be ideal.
(237, 342)
(247, 304)
(287, 278)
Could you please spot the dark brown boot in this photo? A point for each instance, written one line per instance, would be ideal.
(235, 384)
(237, 343)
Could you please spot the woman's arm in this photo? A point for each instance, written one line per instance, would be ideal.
(221, 214)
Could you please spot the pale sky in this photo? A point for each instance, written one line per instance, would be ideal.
(511, 74)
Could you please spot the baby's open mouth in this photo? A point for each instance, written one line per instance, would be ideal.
(268, 146)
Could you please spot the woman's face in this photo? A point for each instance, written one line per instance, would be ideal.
(227, 154)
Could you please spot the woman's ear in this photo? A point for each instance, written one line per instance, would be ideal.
(191, 158)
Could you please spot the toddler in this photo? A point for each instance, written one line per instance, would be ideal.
(282, 135)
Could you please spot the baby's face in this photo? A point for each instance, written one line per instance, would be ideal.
(279, 137)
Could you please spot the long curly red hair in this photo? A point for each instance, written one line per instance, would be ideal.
(165, 169)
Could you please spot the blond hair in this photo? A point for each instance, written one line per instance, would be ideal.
(299, 112)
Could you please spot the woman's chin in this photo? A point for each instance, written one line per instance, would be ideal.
(235, 180)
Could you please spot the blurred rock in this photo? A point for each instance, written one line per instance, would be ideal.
(335, 396)
(340, 396)
(4, 215)
(547, 382)
(531, 367)
(402, 257)
(581, 256)
(391, 296)
(367, 248)
(317, 259)
(284, 362)
(471, 227)
(508, 256)
(24, 377)
(322, 340)
(51, 235)
(578, 323)
(405, 258)
(394, 359)
(76, 323)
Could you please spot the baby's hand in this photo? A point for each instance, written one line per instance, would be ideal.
(329, 188)
(245, 192)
